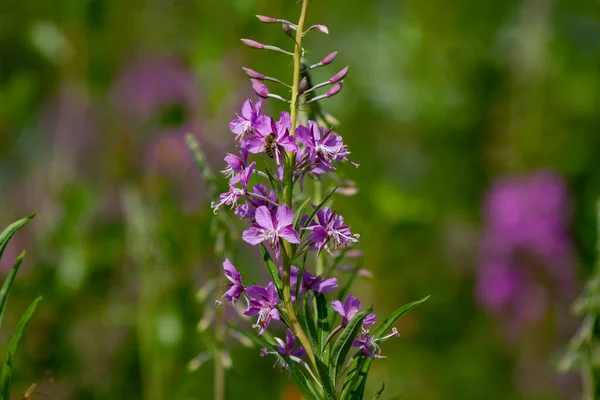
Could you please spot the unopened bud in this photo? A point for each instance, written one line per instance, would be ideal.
(266, 20)
(329, 58)
(260, 89)
(253, 44)
(286, 27)
(339, 76)
(303, 85)
(253, 74)
(323, 29)
(334, 90)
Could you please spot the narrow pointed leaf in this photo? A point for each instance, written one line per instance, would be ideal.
(318, 207)
(10, 231)
(387, 323)
(379, 392)
(299, 211)
(272, 268)
(310, 328)
(344, 343)
(6, 378)
(354, 384)
(7, 285)
(328, 385)
(322, 318)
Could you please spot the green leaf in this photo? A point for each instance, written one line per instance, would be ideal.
(328, 385)
(322, 319)
(298, 215)
(310, 328)
(7, 285)
(343, 344)
(317, 208)
(387, 323)
(266, 340)
(10, 231)
(273, 270)
(354, 385)
(274, 182)
(379, 392)
(6, 378)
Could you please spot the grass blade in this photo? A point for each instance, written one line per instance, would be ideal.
(10, 231)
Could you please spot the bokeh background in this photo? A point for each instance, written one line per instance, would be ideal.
(476, 127)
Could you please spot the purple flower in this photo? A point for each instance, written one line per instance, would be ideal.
(236, 287)
(310, 282)
(235, 164)
(329, 226)
(349, 309)
(270, 227)
(275, 142)
(287, 347)
(368, 344)
(260, 196)
(231, 197)
(263, 302)
(251, 121)
(527, 262)
(322, 147)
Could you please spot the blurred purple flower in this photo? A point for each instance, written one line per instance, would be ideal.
(149, 85)
(526, 254)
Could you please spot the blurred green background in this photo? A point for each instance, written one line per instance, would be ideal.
(442, 99)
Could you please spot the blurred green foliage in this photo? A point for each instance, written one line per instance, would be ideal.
(441, 98)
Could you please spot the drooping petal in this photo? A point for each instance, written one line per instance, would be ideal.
(231, 273)
(326, 286)
(288, 233)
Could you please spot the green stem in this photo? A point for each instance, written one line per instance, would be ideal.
(317, 196)
(287, 194)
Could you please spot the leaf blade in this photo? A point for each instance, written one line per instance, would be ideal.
(10, 230)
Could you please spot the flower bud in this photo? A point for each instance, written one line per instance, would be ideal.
(253, 44)
(260, 89)
(303, 85)
(322, 28)
(253, 74)
(329, 58)
(339, 76)
(286, 27)
(266, 20)
(334, 90)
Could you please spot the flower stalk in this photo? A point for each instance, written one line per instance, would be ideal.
(288, 191)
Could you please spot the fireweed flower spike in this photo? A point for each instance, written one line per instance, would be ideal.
(283, 156)
(236, 287)
(271, 226)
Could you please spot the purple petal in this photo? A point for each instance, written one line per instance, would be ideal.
(328, 285)
(370, 319)
(264, 218)
(289, 234)
(337, 306)
(247, 109)
(253, 235)
(290, 339)
(231, 273)
(284, 216)
(254, 144)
